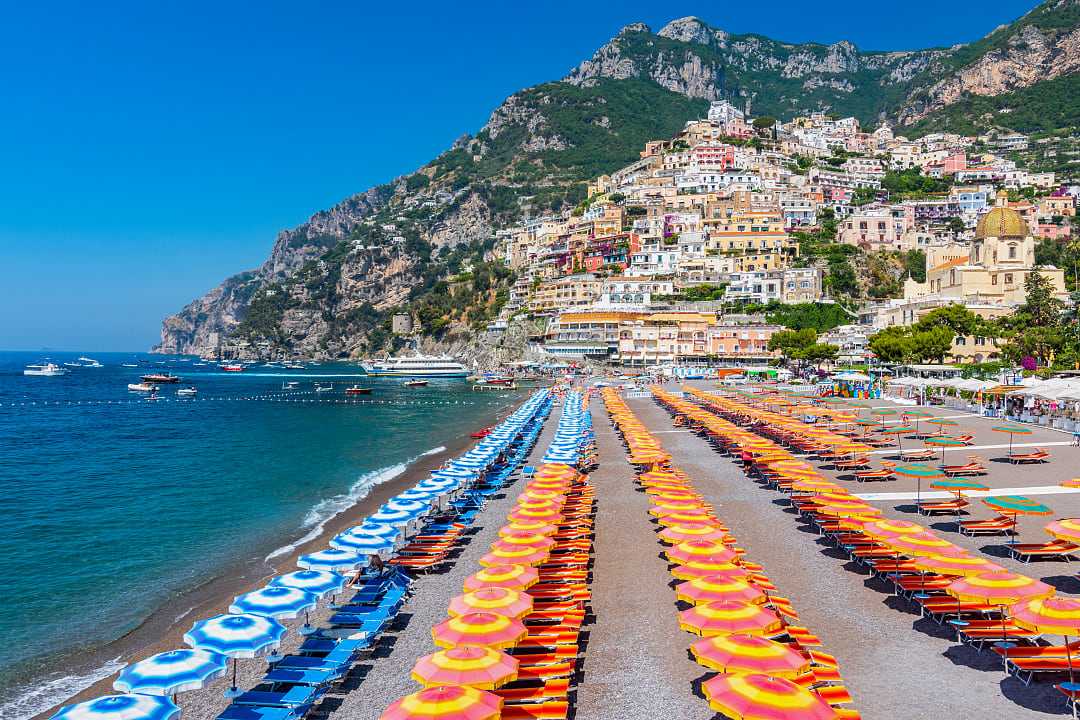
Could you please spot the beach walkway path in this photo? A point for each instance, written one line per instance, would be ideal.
(386, 677)
(896, 664)
(636, 665)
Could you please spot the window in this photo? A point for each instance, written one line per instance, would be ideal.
(993, 279)
(961, 340)
(1012, 252)
(1008, 278)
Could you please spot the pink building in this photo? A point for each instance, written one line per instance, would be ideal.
(1050, 231)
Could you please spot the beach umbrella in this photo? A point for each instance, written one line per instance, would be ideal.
(523, 555)
(484, 629)
(500, 600)
(274, 602)
(374, 528)
(390, 516)
(916, 415)
(171, 672)
(697, 569)
(362, 544)
(943, 441)
(744, 654)
(236, 636)
(886, 528)
(899, 431)
(764, 697)
(415, 507)
(714, 551)
(725, 617)
(529, 526)
(549, 515)
(958, 486)
(713, 588)
(513, 577)
(921, 544)
(954, 565)
(697, 515)
(920, 472)
(942, 423)
(691, 531)
(477, 667)
(883, 413)
(332, 559)
(316, 582)
(520, 539)
(120, 707)
(1067, 529)
(446, 702)
(1016, 505)
(1050, 616)
(1012, 430)
(1000, 588)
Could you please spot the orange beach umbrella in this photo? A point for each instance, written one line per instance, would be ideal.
(745, 654)
(446, 702)
(484, 629)
(764, 697)
(478, 667)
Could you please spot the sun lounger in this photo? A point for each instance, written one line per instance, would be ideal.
(288, 697)
(1034, 651)
(868, 475)
(1000, 525)
(1026, 668)
(834, 694)
(1039, 456)
(314, 677)
(551, 710)
(969, 469)
(978, 632)
(917, 455)
(942, 507)
(1055, 549)
(256, 712)
(547, 672)
(517, 692)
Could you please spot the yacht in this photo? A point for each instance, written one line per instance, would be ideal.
(90, 362)
(417, 366)
(45, 370)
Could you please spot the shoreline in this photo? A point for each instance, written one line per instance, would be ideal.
(164, 627)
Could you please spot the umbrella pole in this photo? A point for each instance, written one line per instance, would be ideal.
(1072, 679)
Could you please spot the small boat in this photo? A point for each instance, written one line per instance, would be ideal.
(70, 364)
(187, 392)
(415, 383)
(481, 433)
(130, 365)
(90, 362)
(497, 380)
(293, 366)
(323, 388)
(357, 390)
(290, 385)
(232, 367)
(166, 378)
(45, 370)
(142, 387)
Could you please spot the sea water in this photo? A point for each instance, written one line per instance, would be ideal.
(113, 503)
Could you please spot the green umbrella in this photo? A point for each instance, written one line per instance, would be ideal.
(1012, 430)
(957, 485)
(899, 430)
(918, 415)
(883, 412)
(943, 441)
(942, 423)
(918, 471)
(1016, 505)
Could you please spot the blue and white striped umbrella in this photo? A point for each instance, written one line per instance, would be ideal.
(237, 636)
(316, 582)
(410, 506)
(362, 544)
(393, 517)
(274, 602)
(172, 672)
(120, 707)
(420, 495)
(454, 473)
(332, 559)
(374, 528)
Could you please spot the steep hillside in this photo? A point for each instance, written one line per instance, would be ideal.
(423, 241)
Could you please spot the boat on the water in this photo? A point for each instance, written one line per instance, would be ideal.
(142, 387)
(232, 367)
(90, 362)
(415, 383)
(497, 380)
(129, 365)
(187, 392)
(293, 366)
(165, 378)
(417, 366)
(45, 370)
(319, 388)
(481, 433)
(290, 385)
(357, 390)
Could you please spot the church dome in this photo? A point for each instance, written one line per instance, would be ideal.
(1001, 222)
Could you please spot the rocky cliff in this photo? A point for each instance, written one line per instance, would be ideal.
(330, 285)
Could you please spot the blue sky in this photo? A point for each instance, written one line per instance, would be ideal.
(151, 149)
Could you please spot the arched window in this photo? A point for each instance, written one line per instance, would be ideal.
(1012, 251)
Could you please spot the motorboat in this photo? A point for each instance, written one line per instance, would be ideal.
(142, 387)
(232, 367)
(187, 392)
(417, 366)
(293, 366)
(290, 385)
(323, 388)
(481, 433)
(165, 378)
(45, 370)
(357, 390)
(90, 363)
(415, 383)
(497, 380)
(129, 365)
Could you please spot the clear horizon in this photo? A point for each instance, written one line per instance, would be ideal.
(152, 151)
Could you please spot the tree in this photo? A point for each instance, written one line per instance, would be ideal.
(763, 122)
(791, 342)
(893, 344)
(1042, 307)
(956, 225)
(933, 344)
(818, 353)
(953, 316)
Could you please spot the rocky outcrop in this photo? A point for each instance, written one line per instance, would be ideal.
(1028, 56)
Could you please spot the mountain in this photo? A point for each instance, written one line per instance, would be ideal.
(422, 243)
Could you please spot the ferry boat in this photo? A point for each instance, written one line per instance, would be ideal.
(233, 367)
(417, 366)
(45, 370)
(357, 390)
(165, 378)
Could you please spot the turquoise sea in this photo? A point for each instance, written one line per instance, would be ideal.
(112, 504)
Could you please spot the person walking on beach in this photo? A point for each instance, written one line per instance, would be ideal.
(1076, 436)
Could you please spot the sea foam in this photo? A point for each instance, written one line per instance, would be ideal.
(50, 691)
(326, 510)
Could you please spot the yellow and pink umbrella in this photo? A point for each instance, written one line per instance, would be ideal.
(446, 702)
(478, 667)
(764, 697)
(484, 629)
(717, 587)
(745, 654)
(500, 600)
(514, 577)
(725, 617)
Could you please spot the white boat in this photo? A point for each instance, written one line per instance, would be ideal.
(323, 388)
(290, 385)
(45, 370)
(90, 362)
(187, 392)
(130, 365)
(142, 387)
(417, 366)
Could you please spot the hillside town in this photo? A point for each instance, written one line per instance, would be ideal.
(678, 257)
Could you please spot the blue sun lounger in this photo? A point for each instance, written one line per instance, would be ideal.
(294, 696)
(256, 712)
(306, 677)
